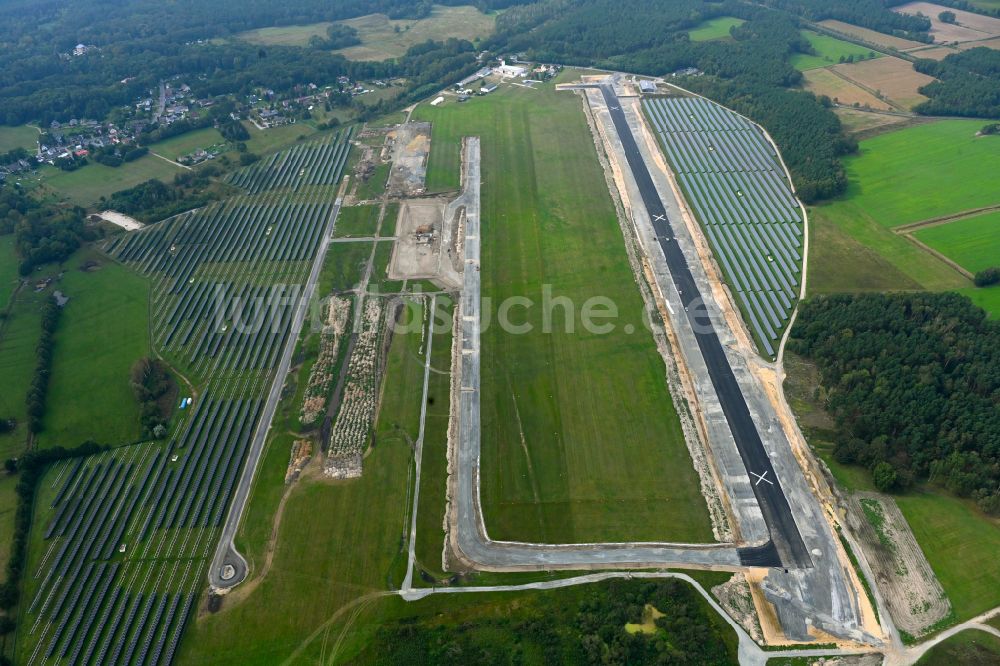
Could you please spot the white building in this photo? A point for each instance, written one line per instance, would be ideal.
(511, 71)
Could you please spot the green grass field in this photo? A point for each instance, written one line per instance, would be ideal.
(20, 136)
(829, 51)
(717, 28)
(342, 269)
(185, 144)
(19, 334)
(923, 172)
(86, 185)
(356, 221)
(853, 247)
(580, 438)
(267, 141)
(286, 35)
(9, 276)
(974, 243)
(988, 299)
(103, 331)
(966, 647)
(374, 186)
(383, 38)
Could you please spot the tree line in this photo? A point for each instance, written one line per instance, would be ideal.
(913, 385)
(154, 389)
(874, 14)
(38, 390)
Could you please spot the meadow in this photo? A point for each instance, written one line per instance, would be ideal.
(923, 172)
(717, 28)
(988, 299)
(9, 276)
(383, 38)
(829, 51)
(973, 242)
(19, 136)
(900, 177)
(185, 144)
(581, 441)
(966, 647)
(86, 185)
(354, 221)
(104, 329)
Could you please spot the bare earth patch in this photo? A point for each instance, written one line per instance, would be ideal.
(893, 78)
(912, 592)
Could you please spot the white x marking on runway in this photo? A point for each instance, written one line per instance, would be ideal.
(614, 108)
(659, 218)
(760, 477)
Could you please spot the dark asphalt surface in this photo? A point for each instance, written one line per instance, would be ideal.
(786, 547)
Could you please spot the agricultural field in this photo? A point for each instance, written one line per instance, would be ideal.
(103, 330)
(968, 27)
(974, 242)
(116, 579)
(856, 249)
(966, 647)
(737, 187)
(20, 136)
(86, 185)
(185, 144)
(578, 428)
(829, 51)
(383, 38)
(893, 173)
(822, 81)
(893, 79)
(857, 122)
(717, 28)
(872, 36)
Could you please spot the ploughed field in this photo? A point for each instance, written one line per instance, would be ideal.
(739, 192)
(122, 539)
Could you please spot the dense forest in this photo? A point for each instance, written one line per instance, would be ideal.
(968, 84)
(750, 73)
(43, 233)
(547, 630)
(913, 383)
(142, 41)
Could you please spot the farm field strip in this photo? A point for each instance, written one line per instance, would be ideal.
(739, 192)
(91, 601)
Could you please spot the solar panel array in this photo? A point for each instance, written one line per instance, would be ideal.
(737, 188)
(131, 530)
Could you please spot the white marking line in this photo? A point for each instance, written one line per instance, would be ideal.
(659, 218)
(760, 477)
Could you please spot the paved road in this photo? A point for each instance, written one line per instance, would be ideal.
(786, 547)
(220, 576)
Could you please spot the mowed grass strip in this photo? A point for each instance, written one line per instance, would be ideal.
(580, 439)
(717, 28)
(829, 51)
(974, 243)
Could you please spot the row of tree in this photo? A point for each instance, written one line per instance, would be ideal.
(913, 384)
(38, 390)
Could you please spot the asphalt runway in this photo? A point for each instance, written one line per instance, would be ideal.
(786, 547)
